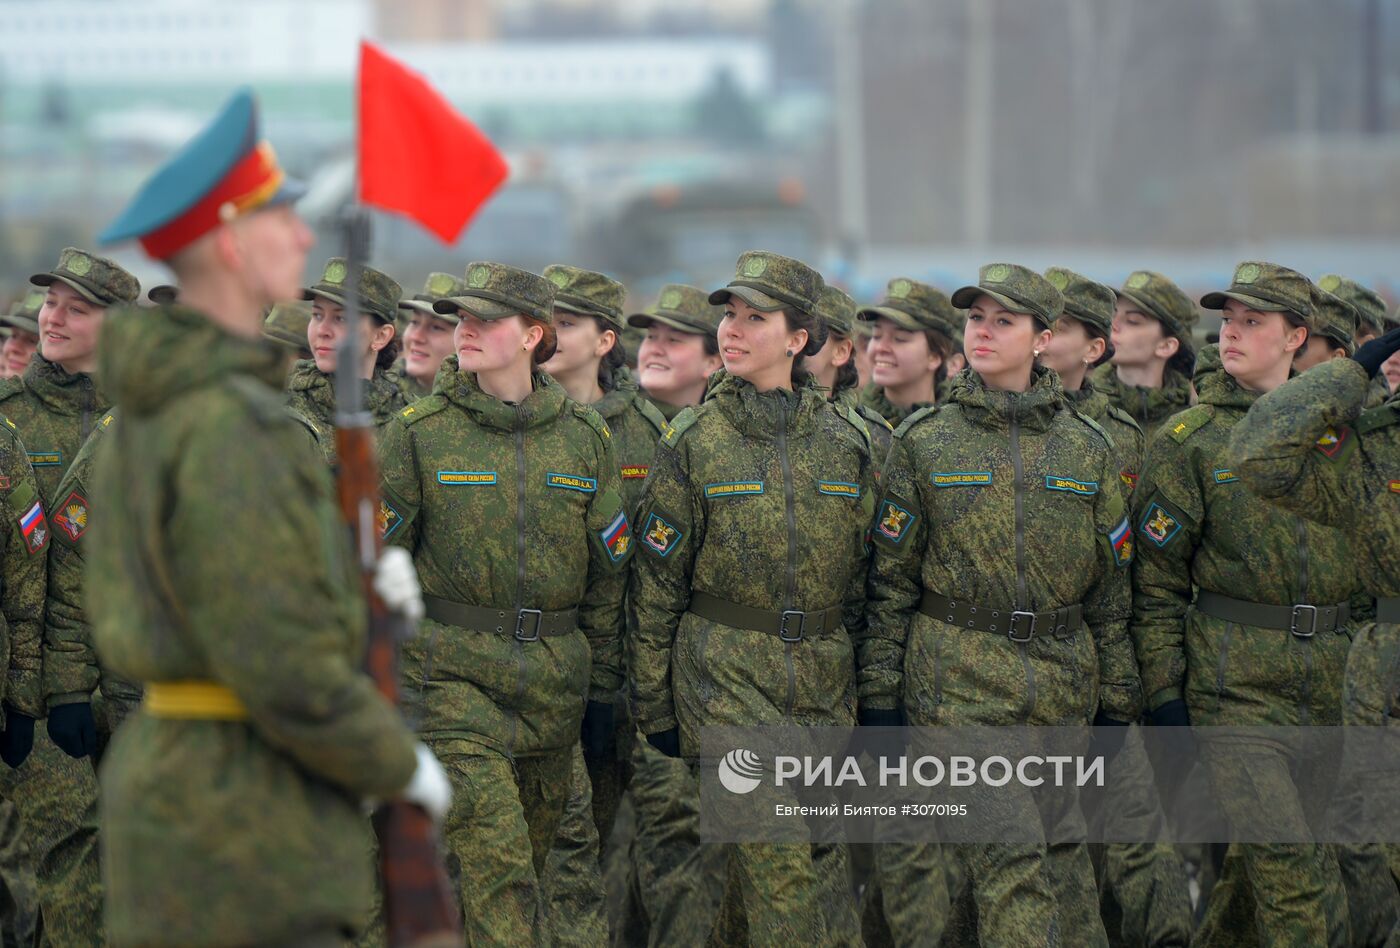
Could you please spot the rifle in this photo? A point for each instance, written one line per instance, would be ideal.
(420, 910)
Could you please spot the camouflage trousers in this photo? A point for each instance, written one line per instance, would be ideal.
(56, 799)
(571, 889)
(674, 885)
(1143, 896)
(1271, 894)
(19, 905)
(1371, 698)
(504, 819)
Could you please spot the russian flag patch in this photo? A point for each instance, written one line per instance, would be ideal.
(1122, 539)
(34, 528)
(617, 536)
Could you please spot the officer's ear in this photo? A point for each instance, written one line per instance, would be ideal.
(1296, 338)
(1168, 346)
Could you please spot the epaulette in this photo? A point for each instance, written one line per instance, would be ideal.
(915, 418)
(301, 418)
(873, 417)
(1379, 417)
(1108, 438)
(10, 428)
(651, 413)
(856, 422)
(594, 420)
(1184, 424)
(678, 426)
(422, 409)
(268, 404)
(1120, 415)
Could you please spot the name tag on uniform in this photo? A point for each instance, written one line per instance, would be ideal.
(585, 485)
(1070, 485)
(466, 478)
(838, 488)
(46, 458)
(635, 472)
(960, 478)
(1225, 476)
(733, 489)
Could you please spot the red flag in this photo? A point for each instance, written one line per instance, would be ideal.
(418, 155)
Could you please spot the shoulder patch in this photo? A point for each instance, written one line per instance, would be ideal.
(894, 521)
(34, 527)
(1160, 524)
(1336, 442)
(71, 516)
(914, 419)
(1120, 540)
(1184, 424)
(854, 419)
(617, 537)
(651, 413)
(1379, 417)
(422, 408)
(660, 536)
(678, 426)
(389, 519)
(594, 420)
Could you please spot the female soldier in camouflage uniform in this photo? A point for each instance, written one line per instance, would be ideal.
(750, 585)
(1143, 897)
(999, 593)
(834, 365)
(508, 496)
(428, 336)
(1240, 616)
(909, 349)
(312, 383)
(1149, 376)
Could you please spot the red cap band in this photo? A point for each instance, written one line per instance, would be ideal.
(249, 183)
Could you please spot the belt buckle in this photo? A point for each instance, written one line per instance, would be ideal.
(783, 625)
(520, 615)
(1011, 630)
(1312, 621)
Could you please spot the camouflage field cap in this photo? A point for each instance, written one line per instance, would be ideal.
(587, 292)
(1086, 300)
(770, 282)
(910, 304)
(24, 313)
(378, 293)
(495, 291)
(97, 279)
(1154, 295)
(836, 307)
(286, 325)
(1334, 318)
(1370, 308)
(1267, 288)
(1019, 289)
(163, 294)
(682, 308)
(438, 286)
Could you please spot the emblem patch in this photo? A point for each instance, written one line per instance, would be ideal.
(1129, 479)
(34, 528)
(389, 519)
(1159, 525)
(617, 536)
(1070, 485)
(1122, 539)
(1330, 443)
(838, 489)
(1395, 487)
(584, 485)
(46, 458)
(960, 478)
(1137, 281)
(72, 516)
(1225, 476)
(895, 521)
(661, 536)
(335, 272)
(733, 488)
(470, 478)
(670, 299)
(635, 472)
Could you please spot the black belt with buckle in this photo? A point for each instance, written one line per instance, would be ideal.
(1018, 625)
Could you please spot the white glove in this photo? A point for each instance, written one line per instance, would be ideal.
(429, 787)
(396, 581)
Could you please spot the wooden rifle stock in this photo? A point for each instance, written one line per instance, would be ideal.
(420, 909)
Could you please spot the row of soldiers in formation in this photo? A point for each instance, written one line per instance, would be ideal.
(1037, 443)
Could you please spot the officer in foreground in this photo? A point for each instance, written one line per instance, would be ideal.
(233, 799)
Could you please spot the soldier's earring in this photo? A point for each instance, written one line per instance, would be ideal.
(789, 353)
